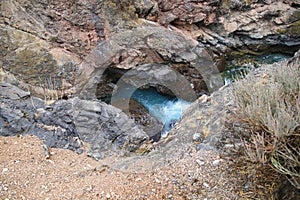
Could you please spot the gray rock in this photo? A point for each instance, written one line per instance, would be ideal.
(197, 137)
(106, 128)
(103, 129)
(12, 92)
(145, 8)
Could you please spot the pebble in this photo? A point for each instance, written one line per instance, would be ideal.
(228, 146)
(247, 185)
(216, 162)
(108, 196)
(205, 185)
(79, 151)
(196, 137)
(200, 162)
(4, 170)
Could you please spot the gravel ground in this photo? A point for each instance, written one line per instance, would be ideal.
(28, 172)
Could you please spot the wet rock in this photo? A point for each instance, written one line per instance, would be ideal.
(151, 125)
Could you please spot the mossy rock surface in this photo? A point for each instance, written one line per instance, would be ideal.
(293, 29)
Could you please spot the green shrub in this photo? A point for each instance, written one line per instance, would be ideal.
(270, 105)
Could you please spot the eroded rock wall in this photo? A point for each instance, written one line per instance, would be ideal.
(53, 45)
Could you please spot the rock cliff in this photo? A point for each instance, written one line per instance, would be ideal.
(64, 47)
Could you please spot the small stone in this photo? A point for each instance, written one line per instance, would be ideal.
(46, 151)
(79, 151)
(247, 185)
(216, 162)
(228, 146)
(200, 162)
(205, 185)
(108, 196)
(203, 98)
(196, 137)
(138, 179)
(278, 21)
(4, 170)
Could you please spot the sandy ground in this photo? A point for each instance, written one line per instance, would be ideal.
(26, 172)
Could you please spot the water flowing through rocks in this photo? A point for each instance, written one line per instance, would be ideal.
(238, 67)
(168, 110)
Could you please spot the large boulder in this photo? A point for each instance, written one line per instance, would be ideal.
(98, 128)
(42, 43)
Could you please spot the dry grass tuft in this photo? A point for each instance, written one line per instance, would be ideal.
(270, 105)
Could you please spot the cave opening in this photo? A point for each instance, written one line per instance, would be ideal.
(154, 107)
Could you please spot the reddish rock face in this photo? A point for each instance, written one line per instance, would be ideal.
(42, 43)
(52, 40)
(186, 12)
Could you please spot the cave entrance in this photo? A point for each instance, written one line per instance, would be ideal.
(154, 107)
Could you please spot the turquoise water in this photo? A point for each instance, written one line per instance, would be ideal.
(235, 70)
(166, 109)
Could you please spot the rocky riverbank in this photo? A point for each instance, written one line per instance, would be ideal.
(200, 158)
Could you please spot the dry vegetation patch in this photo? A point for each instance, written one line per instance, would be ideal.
(270, 105)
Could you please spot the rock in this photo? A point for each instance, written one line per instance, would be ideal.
(258, 38)
(206, 118)
(185, 12)
(9, 91)
(197, 137)
(200, 162)
(37, 39)
(146, 9)
(152, 126)
(216, 162)
(206, 185)
(70, 53)
(202, 146)
(156, 74)
(105, 128)
(67, 123)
